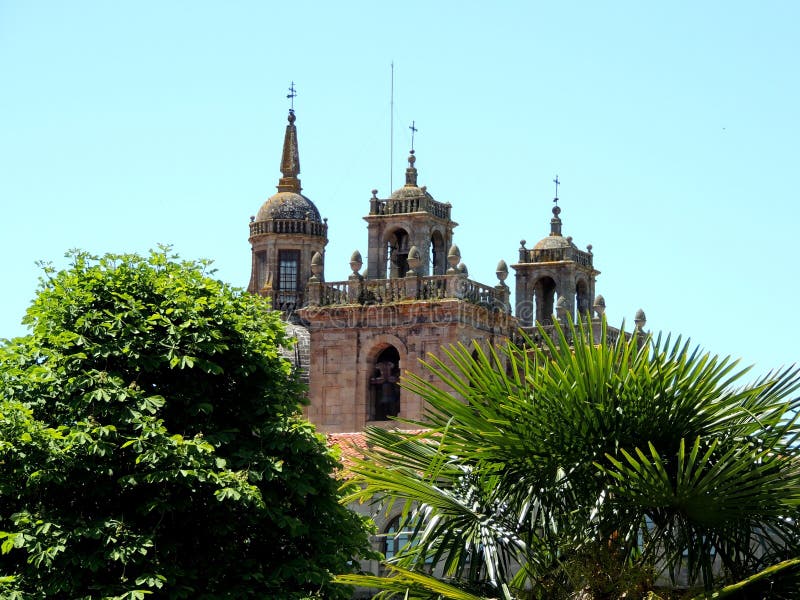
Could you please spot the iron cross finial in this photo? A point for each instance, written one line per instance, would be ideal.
(557, 182)
(413, 131)
(291, 95)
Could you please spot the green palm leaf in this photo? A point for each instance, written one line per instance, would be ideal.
(538, 467)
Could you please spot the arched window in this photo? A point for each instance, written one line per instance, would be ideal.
(395, 538)
(397, 253)
(438, 258)
(544, 292)
(384, 391)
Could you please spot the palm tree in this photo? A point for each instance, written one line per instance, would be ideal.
(586, 468)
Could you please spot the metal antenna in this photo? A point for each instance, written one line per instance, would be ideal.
(391, 131)
(291, 95)
(557, 182)
(413, 131)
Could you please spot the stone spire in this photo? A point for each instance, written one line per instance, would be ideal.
(411, 171)
(290, 161)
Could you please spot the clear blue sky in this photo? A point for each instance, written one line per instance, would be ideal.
(673, 128)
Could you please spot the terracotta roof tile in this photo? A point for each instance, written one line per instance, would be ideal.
(352, 446)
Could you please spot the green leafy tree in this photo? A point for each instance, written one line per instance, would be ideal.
(151, 442)
(593, 468)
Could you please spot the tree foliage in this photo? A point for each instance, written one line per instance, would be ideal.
(594, 468)
(150, 442)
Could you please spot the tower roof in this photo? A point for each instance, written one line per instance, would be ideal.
(555, 247)
(289, 203)
(290, 159)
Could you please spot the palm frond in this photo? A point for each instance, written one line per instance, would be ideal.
(646, 450)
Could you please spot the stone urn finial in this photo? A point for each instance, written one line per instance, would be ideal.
(356, 262)
(640, 319)
(453, 258)
(600, 305)
(502, 271)
(317, 264)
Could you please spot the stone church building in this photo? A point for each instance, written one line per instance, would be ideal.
(411, 296)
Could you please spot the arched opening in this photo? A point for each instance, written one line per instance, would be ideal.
(395, 537)
(398, 534)
(397, 253)
(384, 391)
(544, 292)
(582, 301)
(438, 258)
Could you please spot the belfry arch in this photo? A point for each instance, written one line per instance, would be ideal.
(397, 247)
(583, 302)
(438, 256)
(544, 295)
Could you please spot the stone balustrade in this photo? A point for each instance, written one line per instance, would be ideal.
(479, 293)
(334, 293)
(398, 206)
(379, 291)
(433, 287)
(528, 255)
(305, 226)
(358, 290)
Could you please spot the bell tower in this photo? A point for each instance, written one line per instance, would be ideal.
(285, 234)
(414, 297)
(410, 217)
(554, 277)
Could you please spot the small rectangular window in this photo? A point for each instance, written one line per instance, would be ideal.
(288, 287)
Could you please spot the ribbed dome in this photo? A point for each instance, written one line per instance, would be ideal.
(288, 205)
(552, 242)
(409, 191)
